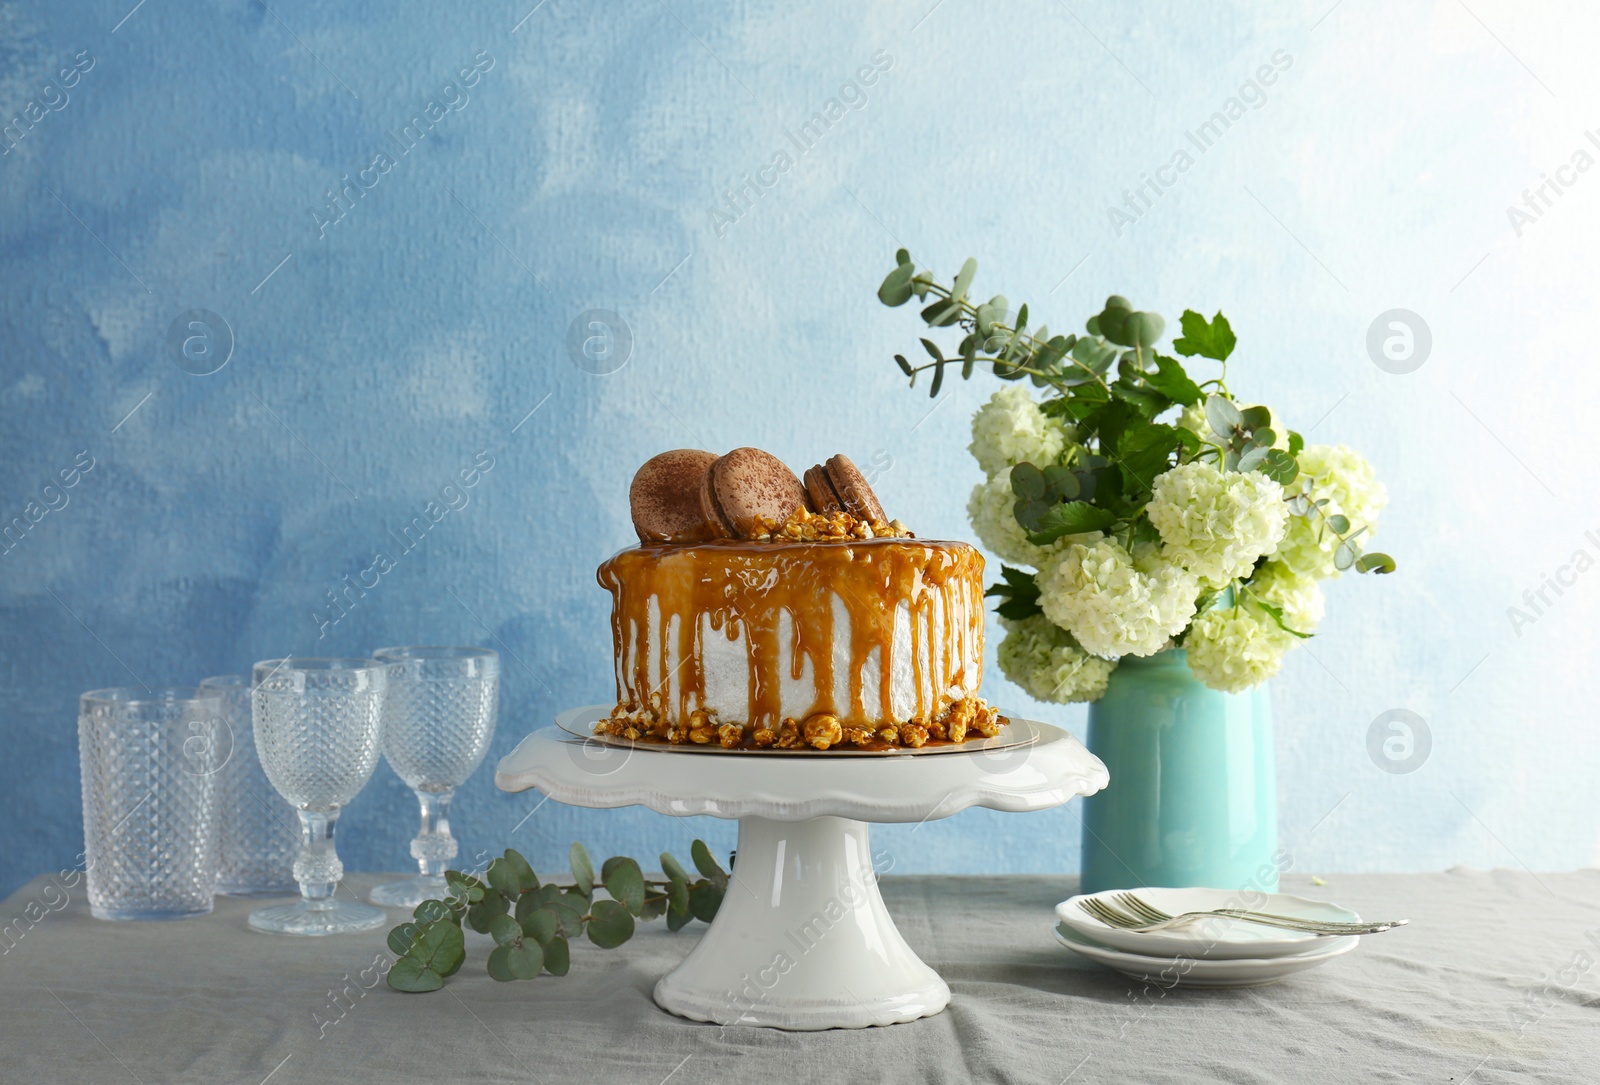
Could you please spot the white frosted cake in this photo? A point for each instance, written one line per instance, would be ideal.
(818, 630)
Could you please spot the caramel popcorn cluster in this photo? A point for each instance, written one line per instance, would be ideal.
(967, 718)
(803, 525)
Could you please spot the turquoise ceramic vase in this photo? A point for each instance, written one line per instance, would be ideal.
(1193, 795)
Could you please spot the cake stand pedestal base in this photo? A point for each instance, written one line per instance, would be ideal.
(802, 940)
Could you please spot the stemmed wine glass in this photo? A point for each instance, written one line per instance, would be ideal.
(438, 721)
(319, 729)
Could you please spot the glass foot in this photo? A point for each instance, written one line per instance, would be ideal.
(323, 917)
(410, 892)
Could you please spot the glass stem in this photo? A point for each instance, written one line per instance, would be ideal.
(317, 868)
(434, 847)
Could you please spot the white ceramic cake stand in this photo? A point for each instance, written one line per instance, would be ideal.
(802, 940)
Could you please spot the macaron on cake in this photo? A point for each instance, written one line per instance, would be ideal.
(762, 610)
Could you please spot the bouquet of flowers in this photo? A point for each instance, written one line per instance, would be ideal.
(1154, 511)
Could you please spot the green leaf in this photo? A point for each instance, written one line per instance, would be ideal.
(582, 868)
(1209, 340)
(505, 930)
(1113, 320)
(435, 953)
(430, 910)
(969, 356)
(1255, 418)
(938, 380)
(1022, 318)
(1252, 458)
(1223, 416)
(964, 279)
(1071, 518)
(1019, 595)
(1027, 481)
(1296, 443)
(566, 909)
(672, 868)
(1339, 524)
(541, 925)
(704, 900)
(1375, 563)
(1345, 555)
(1143, 330)
(677, 920)
(704, 863)
(1060, 484)
(482, 914)
(524, 962)
(941, 312)
(652, 909)
(401, 937)
(1276, 614)
(678, 894)
(901, 256)
(905, 366)
(933, 350)
(1147, 402)
(896, 288)
(1172, 381)
(624, 881)
(610, 924)
(1281, 468)
(557, 957)
(1143, 451)
(510, 875)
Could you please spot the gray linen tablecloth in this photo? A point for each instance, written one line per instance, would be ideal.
(1496, 980)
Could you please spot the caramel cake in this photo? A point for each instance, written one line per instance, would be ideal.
(760, 610)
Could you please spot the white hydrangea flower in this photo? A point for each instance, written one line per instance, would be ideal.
(1217, 524)
(1011, 429)
(1344, 477)
(1044, 660)
(1297, 596)
(1113, 606)
(1234, 648)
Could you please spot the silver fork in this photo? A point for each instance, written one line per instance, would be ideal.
(1114, 917)
(1139, 907)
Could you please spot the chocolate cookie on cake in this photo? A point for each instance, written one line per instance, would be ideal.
(763, 610)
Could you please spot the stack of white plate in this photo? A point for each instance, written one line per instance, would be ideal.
(1210, 952)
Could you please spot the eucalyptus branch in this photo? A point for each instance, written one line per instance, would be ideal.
(531, 923)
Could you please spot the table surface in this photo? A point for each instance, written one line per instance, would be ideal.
(1495, 980)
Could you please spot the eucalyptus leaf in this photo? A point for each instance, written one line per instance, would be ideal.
(1223, 416)
(625, 882)
(582, 868)
(672, 868)
(964, 279)
(704, 900)
(1027, 481)
(704, 863)
(505, 930)
(435, 954)
(557, 957)
(610, 924)
(518, 962)
(542, 925)
(1375, 563)
(896, 288)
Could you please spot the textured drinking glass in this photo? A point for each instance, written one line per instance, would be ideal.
(437, 725)
(149, 763)
(258, 834)
(319, 730)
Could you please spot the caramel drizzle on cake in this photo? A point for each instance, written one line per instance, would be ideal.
(803, 581)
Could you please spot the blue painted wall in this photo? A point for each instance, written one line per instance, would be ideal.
(585, 163)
